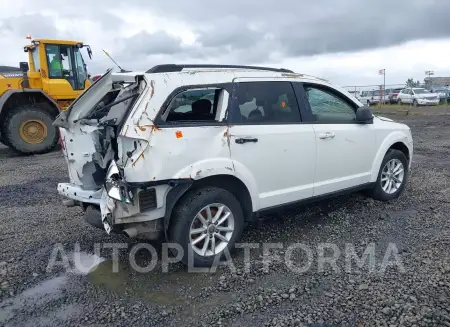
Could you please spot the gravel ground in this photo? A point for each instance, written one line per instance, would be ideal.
(412, 234)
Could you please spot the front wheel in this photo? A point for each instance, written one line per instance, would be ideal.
(392, 176)
(28, 129)
(206, 223)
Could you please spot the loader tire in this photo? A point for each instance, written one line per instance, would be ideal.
(28, 129)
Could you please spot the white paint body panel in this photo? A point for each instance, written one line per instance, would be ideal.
(280, 166)
(344, 159)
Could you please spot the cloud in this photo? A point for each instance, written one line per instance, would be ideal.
(22, 25)
(139, 34)
(309, 28)
(144, 43)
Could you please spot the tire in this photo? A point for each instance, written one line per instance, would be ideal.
(184, 218)
(378, 193)
(399, 101)
(33, 112)
(415, 104)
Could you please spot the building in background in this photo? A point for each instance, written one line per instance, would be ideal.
(437, 81)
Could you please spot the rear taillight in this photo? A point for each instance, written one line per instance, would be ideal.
(96, 77)
(395, 94)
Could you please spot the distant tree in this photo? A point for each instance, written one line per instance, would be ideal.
(410, 83)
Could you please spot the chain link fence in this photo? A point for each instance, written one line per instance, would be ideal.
(383, 96)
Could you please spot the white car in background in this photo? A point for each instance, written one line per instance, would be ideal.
(392, 95)
(373, 97)
(417, 96)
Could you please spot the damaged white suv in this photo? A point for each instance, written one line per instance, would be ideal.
(193, 152)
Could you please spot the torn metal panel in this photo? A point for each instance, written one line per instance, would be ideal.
(107, 206)
(198, 153)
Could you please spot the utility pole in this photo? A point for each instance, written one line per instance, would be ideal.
(429, 73)
(383, 72)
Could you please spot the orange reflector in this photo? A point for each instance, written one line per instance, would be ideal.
(283, 104)
(179, 134)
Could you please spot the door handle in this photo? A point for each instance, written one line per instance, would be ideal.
(327, 135)
(243, 140)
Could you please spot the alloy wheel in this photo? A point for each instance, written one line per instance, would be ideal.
(212, 229)
(392, 176)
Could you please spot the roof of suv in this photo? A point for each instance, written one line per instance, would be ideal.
(168, 68)
(225, 73)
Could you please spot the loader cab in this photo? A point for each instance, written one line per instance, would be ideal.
(59, 67)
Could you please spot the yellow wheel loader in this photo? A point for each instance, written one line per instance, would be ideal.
(32, 95)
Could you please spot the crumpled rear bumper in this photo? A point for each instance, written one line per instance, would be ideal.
(76, 193)
(113, 212)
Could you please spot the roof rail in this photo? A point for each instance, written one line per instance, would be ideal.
(168, 68)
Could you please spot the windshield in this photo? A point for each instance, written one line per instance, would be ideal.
(420, 91)
(36, 62)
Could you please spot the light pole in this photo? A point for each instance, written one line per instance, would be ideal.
(429, 73)
(383, 72)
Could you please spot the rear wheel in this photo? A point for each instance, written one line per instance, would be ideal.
(206, 223)
(28, 129)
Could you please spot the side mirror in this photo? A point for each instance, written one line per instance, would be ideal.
(89, 51)
(364, 115)
(24, 66)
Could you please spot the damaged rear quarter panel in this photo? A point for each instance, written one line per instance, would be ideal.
(191, 152)
(200, 152)
(158, 153)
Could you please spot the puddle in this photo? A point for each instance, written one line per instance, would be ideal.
(39, 295)
(83, 263)
(169, 290)
(155, 286)
(56, 317)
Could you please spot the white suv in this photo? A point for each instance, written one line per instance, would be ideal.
(417, 96)
(195, 152)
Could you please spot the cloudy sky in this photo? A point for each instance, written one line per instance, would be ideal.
(346, 41)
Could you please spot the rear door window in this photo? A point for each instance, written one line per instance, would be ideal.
(268, 102)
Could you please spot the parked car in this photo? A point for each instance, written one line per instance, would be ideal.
(372, 97)
(417, 96)
(392, 95)
(444, 94)
(368, 98)
(271, 138)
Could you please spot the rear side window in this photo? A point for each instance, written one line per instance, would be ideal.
(265, 103)
(194, 105)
